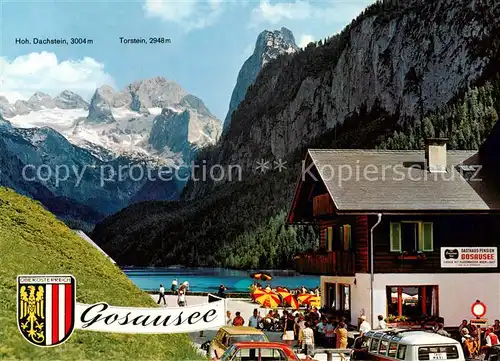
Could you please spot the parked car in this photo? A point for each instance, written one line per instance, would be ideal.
(259, 351)
(229, 335)
(407, 345)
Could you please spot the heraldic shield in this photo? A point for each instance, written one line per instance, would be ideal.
(46, 308)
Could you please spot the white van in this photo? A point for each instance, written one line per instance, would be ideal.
(407, 345)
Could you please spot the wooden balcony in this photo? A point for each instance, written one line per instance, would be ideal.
(335, 263)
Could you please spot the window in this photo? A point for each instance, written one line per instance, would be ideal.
(374, 345)
(345, 299)
(329, 239)
(272, 354)
(365, 343)
(393, 348)
(438, 353)
(383, 347)
(246, 354)
(411, 236)
(401, 352)
(412, 301)
(247, 338)
(345, 237)
(228, 354)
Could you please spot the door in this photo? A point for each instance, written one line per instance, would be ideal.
(219, 344)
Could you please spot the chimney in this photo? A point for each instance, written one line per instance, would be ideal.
(435, 154)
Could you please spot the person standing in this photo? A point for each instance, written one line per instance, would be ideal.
(320, 340)
(300, 326)
(365, 326)
(229, 320)
(174, 285)
(254, 319)
(186, 286)
(238, 320)
(341, 335)
(181, 299)
(496, 327)
(382, 325)
(462, 326)
(441, 331)
(162, 295)
(491, 339)
(221, 293)
(289, 329)
(329, 330)
(308, 340)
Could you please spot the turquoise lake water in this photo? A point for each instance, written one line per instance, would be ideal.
(209, 279)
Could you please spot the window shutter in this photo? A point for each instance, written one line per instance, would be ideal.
(347, 237)
(329, 239)
(395, 237)
(427, 237)
(341, 238)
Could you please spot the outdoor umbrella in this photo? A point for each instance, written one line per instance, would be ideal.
(268, 300)
(258, 292)
(261, 276)
(291, 301)
(308, 299)
(303, 297)
(287, 298)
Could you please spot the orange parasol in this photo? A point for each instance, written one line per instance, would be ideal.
(312, 300)
(261, 276)
(268, 300)
(258, 292)
(291, 301)
(287, 298)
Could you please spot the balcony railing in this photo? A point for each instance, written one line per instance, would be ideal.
(335, 263)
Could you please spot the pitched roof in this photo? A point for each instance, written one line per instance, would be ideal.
(383, 180)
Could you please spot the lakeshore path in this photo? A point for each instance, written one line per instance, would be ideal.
(245, 306)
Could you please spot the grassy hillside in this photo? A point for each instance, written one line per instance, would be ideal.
(32, 240)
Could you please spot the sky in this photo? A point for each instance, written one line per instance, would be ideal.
(210, 41)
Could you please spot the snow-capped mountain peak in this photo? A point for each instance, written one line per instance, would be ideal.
(122, 123)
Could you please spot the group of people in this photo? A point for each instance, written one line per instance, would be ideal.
(470, 337)
(180, 291)
(307, 328)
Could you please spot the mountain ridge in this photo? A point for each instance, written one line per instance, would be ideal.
(106, 133)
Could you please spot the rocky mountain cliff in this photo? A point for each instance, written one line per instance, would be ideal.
(400, 72)
(269, 45)
(402, 60)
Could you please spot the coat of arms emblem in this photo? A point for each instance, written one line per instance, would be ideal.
(46, 308)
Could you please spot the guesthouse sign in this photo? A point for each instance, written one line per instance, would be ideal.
(469, 257)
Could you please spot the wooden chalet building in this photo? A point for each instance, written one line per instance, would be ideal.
(435, 224)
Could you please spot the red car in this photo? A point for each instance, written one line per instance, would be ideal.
(259, 351)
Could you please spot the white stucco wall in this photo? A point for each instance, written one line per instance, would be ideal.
(457, 292)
